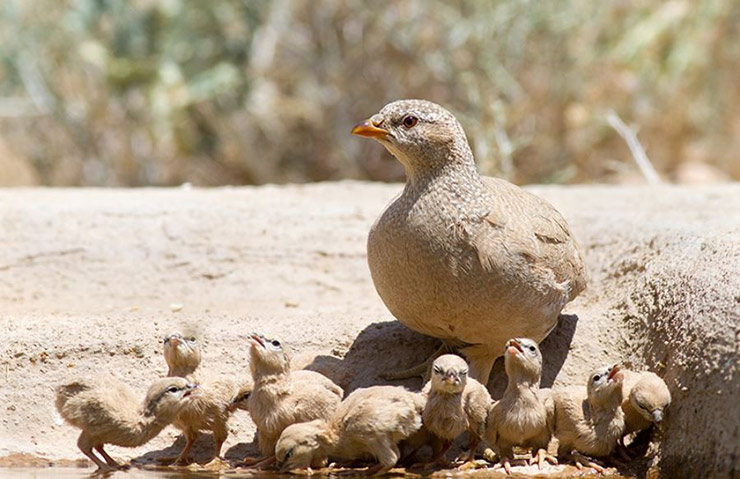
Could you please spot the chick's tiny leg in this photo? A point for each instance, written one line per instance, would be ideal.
(387, 454)
(111, 462)
(541, 457)
(220, 433)
(262, 463)
(586, 461)
(507, 462)
(85, 445)
(183, 457)
(470, 460)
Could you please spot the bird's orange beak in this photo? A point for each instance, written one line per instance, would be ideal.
(370, 128)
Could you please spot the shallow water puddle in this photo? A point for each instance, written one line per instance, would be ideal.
(183, 473)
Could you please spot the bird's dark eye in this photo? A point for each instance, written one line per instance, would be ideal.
(438, 370)
(172, 389)
(191, 339)
(276, 343)
(597, 377)
(288, 454)
(463, 373)
(532, 348)
(409, 121)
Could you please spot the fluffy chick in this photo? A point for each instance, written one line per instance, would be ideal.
(646, 398)
(182, 354)
(109, 412)
(524, 416)
(590, 422)
(211, 410)
(370, 423)
(455, 403)
(279, 399)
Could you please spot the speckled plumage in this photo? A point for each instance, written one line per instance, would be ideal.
(467, 259)
(109, 412)
(369, 423)
(590, 420)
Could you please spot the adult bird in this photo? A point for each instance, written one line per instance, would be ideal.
(469, 259)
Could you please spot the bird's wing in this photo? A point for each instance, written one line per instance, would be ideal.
(522, 225)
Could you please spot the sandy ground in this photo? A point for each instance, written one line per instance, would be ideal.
(91, 279)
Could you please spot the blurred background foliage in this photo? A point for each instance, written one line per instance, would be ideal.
(147, 92)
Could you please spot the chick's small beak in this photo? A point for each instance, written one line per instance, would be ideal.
(614, 373)
(370, 128)
(516, 346)
(657, 415)
(257, 339)
(451, 376)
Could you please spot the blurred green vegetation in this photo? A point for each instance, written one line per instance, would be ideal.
(146, 92)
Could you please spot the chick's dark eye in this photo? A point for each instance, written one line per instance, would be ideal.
(532, 348)
(597, 377)
(276, 343)
(191, 339)
(409, 121)
(172, 389)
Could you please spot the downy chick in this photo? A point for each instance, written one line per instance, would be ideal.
(108, 412)
(590, 422)
(370, 423)
(278, 399)
(212, 409)
(524, 416)
(182, 354)
(646, 397)
(455, 403)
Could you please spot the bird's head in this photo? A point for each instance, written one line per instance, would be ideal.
(268, 356)
(650, 396)
(422, 135)
(241, 398)
(605, 383)
(182, 353)
(449, 374)
(167, 396)
(300, 444)
(522, 358)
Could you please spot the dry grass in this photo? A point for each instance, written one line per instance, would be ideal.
(101, 92)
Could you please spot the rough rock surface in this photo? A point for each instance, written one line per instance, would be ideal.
(90, 280)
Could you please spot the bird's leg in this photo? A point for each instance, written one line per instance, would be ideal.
(418, 370)
(489, 455)
(541, 457)
(481, 359)
(83, 442)
(376, 470)
(470, 460)
(582, 461)
(183, 457)
(439, 458)
(111, 462)
(506, 463)
(260, 463)
(219, 436)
